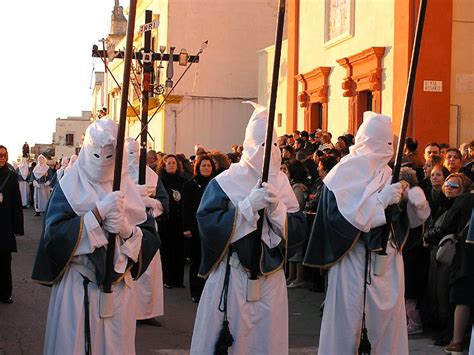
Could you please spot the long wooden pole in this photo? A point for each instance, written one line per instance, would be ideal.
(146, 76)
(107, 287)
(409, 93)
(256, 245)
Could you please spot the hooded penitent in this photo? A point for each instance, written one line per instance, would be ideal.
(91, 177)
(72, 160)
(240, 178)
(133, 151)
(360, 174)
(23, 168)
(41, 167)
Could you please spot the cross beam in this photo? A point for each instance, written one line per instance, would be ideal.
(99, 53)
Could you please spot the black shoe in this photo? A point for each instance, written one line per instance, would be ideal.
(167, 285)
(442, 342)
(195, 299)
(8, 301)
(37, 214)
(150, 321)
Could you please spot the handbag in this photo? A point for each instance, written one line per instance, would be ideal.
(446, 249)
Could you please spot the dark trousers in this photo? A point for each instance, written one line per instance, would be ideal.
(196, 283)
(5, 276)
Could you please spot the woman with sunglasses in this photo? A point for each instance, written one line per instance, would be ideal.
(451, 286)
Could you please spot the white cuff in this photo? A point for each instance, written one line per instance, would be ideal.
(418, 215)
(95, 233)
(246, 210)
(131, 247)
(157, 210)
(277, 219)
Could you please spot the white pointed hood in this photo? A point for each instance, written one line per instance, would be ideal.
(133, 151)
(23, 168)
(91, 177)
(241, 177)
(363, 172)
(41, 167)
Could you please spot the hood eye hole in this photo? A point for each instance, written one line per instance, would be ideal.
(275, 144)
(389, 143)
(96, 155)
(108, 156)
(263, 144)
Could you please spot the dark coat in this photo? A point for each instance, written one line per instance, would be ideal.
(192, 194)
(11, 211)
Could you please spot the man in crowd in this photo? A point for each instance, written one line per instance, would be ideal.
(11, 224)
(432, 149)
(410, 154)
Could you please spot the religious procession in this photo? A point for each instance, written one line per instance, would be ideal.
(195, 215)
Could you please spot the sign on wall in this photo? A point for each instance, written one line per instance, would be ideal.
(433, 85)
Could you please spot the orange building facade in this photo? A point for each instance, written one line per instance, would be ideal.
(346, 57)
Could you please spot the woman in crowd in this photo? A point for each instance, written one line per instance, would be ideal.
(453, 160)
(221, 161)
(186, 164)
(172, 241)
(427, 167)
(298, 178)
(193, 189)
(41, 178)
(451, 217)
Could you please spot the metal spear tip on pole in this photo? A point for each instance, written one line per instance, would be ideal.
(203, 46)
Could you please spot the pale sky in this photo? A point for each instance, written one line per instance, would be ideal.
(46, 65)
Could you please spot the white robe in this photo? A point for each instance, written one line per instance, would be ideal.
(385, 307)
(24, 191)
(257, 327)
(148, 291)
(65, 324)
(41, 196)
(471, 346)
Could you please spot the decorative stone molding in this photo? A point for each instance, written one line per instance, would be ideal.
(363, 73)
(314, 86)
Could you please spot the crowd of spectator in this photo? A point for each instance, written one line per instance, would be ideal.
(438, 296)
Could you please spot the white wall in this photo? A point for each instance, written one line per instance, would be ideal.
(265, 73)
(214, 123)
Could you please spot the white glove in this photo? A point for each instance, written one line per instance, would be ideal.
(416, 196)
(257, 198)
(271, 196)
(111, 206)
(390, 194)
(47, 183)
(35, 183)
(145, 190)
(149, 202)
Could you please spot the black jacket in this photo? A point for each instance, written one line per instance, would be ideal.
(192, 194)
(11, 210)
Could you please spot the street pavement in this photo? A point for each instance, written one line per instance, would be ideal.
(22, 324)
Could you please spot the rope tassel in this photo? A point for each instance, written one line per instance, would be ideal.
(364, 346)
(225, 340)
